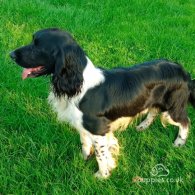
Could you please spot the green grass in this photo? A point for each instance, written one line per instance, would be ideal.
(40, 155)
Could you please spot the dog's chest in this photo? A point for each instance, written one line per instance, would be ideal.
(66, 110)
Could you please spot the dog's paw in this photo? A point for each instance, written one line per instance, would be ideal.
(102, 175)
(87, 154)
(179, 142)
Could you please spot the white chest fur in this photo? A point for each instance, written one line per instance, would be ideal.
(67, 109)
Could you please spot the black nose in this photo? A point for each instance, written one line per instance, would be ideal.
(13, 55)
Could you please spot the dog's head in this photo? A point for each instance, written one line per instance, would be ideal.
(55, 52)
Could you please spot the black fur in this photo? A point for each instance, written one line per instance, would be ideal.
(69, 66)
(192, 92)
(126, 91)
(60, 56)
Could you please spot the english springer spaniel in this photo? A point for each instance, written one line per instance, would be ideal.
(96, 101)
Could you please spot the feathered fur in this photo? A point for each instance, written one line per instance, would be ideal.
(97, 101)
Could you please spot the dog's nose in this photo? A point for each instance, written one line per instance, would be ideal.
(12, 55)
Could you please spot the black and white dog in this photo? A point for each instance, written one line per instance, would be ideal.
(97, 101)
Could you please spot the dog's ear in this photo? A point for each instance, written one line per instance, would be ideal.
(69, 65)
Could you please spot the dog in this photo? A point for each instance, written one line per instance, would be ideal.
(97, 101)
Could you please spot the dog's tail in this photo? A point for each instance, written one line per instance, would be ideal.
(192, 92)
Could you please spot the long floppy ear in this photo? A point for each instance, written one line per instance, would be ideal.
(69, 66)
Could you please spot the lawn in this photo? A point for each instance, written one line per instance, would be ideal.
(40, 155)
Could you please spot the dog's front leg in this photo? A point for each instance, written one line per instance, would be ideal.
(104, 157)
(87, 145)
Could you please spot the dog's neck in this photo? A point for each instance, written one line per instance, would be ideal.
(92, 77)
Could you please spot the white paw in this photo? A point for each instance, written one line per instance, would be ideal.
(87, 153)
(179, 142)
(102, 175)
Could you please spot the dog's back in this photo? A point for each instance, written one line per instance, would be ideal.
(128, 91)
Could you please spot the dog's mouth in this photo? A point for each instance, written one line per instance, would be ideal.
(32, 72)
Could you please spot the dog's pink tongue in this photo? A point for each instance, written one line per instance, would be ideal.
(26, 72)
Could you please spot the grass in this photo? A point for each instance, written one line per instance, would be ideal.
(40, 155)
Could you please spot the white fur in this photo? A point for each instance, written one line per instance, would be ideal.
(121, 123)
(183, 130)
(148, 121)
(113, 145)
(67, 109)
(87, 144)
(103, 156)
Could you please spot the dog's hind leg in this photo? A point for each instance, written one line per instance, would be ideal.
(183, 127)
(182, 135)
(149, 119)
